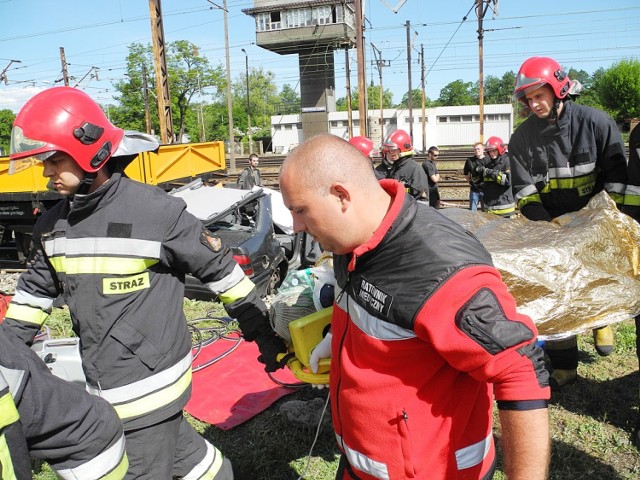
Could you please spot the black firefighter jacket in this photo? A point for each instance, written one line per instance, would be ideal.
(118, 257)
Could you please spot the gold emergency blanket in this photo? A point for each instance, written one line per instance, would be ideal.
(572, 274)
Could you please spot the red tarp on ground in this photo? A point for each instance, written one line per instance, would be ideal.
(4, 304)
(236, 388)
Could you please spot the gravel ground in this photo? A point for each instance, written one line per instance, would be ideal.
(8, 282)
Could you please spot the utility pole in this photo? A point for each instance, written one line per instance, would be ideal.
(162, 77)
(481, 11)
(410, 96)
(362, 89)
(203, 135)
(348, 85)
(424, 100)
(145, 95)
(246, 76)
(232, 143)
(65, 74)
(379, 64)
(3, 74)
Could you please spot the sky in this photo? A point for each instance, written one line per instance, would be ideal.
(584, 35)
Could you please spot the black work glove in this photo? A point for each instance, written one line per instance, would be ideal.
(480, 169)
(536, 212)
(270, 345)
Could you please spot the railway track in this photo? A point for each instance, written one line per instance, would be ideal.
(453, 187)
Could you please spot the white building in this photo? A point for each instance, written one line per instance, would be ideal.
(444, 126)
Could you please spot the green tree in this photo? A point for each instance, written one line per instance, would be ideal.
(189, 73)
(456, 93)
(6, 121)
(263, 97)
(499, 89)
(130, 113)
(619, 89)
(416, 99)
(373, 99)
(289, 101)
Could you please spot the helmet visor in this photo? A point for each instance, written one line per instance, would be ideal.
(20, 147)
(526, 84)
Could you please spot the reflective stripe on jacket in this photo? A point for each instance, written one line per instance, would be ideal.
(118, 257)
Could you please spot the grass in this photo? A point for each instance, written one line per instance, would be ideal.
(591, 423)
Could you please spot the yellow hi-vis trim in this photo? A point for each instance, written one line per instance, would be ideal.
(535, 198)
(583, 185)
(119, 472)
(617, 197)
(502, 211)
(6, 473)
(8, 411)
(631, 200)
(104, 265)
(116, 286)
(26, 314)
(240, 290)
(156, 400)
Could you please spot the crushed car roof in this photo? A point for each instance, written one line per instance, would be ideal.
(206, 202)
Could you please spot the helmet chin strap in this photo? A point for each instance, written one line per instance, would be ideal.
(553, 115)
(85, 184)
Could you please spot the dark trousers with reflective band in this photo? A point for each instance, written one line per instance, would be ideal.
(168, 449)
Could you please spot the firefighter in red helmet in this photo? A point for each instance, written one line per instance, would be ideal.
(117, 251)
(397, 152)
(364, 144)
(561, 156)
(496, 179)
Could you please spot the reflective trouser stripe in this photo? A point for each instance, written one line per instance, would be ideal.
(6, 472)
(8, 415)
(474, 454)
(364, 463)
(149, 394)
(26, 314)
(113, 462)
(209, 467)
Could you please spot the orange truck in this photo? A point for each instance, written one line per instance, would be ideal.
(24, 195)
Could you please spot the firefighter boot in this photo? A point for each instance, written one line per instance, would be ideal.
(563, 355)
(603, 339)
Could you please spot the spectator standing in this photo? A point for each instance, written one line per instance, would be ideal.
(471, 168)
(250, 176)
(561, 156)
(433, 176)
(496, 179)
(397, 150)
(422, 323)
(117, 251)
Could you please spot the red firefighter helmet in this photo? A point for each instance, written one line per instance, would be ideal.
(64, 119)
(494, 143)
(363, 144)
(538, 71)
(398, 140)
